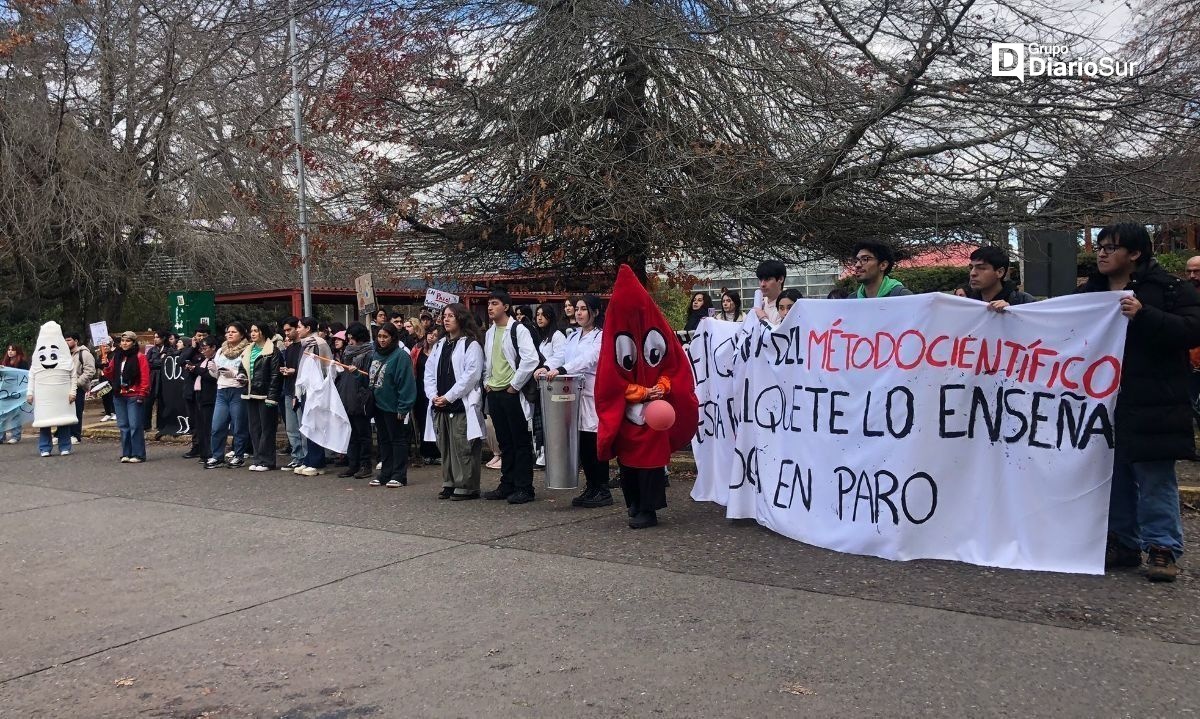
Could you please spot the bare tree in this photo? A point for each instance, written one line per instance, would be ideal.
(138, 131)
(579, 133)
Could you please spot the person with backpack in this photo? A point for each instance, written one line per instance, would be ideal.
(580, 357)
(353, 387)
(455, 418)
(510, 357)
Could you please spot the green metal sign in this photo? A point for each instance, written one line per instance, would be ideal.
(187, 310)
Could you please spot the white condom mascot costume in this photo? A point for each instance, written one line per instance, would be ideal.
(50, 379)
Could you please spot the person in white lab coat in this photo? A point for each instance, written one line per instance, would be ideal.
(580, 356)
(455, 415)
(554, 343)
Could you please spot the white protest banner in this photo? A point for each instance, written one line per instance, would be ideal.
(99, 333)
(436, 299)
(922, 427)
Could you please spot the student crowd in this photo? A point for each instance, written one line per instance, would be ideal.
(438, 382)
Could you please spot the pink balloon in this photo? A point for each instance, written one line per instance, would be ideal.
(660, 415)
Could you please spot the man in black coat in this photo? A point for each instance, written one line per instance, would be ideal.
(1153, 419)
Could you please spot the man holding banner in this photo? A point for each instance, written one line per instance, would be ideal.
(1153, 414)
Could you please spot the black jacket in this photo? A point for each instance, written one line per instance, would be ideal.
(1154, 415)
(291, 360)
(353, 387)
(208, 384)
(265, 380)
(1008, 292)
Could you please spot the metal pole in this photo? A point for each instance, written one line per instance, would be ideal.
(298, 136)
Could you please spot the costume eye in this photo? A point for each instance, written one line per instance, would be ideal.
(626, 351)
(654, 348)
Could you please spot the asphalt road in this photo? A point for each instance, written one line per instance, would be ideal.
(163, 590)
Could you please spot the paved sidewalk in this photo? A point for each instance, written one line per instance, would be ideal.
(166, 590)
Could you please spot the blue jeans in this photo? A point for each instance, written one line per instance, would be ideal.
(129, 421)
(315, 455)
(291, 423)
(229, 412)
(10, 425)
(46, 444)
(1144, 508)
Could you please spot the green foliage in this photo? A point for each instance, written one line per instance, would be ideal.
(921, 279)
(673, 300)
(1085, 264)
(1173, 262)
(23, 330)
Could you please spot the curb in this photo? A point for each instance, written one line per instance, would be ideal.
(1189, 494)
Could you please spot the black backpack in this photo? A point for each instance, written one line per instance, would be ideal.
(530, 388)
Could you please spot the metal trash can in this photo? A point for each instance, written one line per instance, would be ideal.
(560, 428)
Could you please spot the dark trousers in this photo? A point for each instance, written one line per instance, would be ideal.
(516, 443)
(358, 454)
(193, 407)
(645, 489)
(153, 402)
(77, 429)
(202, 430)
(109, 408)
(393, 447)
(1195, 382)
(427, 450)
(264, 422)
(594, 471)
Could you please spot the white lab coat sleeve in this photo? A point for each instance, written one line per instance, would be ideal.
(468, 369)
(586, 355)
(529, 355)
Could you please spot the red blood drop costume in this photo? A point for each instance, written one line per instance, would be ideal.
(640, 352)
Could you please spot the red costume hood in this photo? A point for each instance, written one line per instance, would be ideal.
(638, 348)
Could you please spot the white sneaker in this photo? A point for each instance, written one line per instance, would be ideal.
(64, 453)
(393, 484)
(45, 454)
(124, 460)
(299, 470)
(75, 440)
(311, 471)
(135, 460)
(228, 455)
(258, 468)
(11, 440)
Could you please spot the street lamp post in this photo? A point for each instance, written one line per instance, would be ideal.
(298, 136)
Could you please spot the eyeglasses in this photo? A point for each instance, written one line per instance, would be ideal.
(1106, 249)
(863, 260)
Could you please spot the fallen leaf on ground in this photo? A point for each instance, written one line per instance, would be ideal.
(125, 682)
(797, 689)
